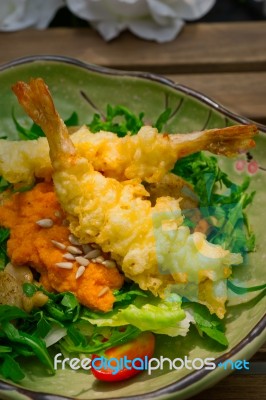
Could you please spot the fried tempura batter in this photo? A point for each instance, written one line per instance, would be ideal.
(148, 155)
(148, 242)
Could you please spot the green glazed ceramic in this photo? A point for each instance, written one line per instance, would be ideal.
(87, 89)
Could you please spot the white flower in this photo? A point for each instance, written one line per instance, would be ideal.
(20, 14)
(159, 20)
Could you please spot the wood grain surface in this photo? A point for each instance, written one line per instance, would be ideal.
(243, 92)
(211, 47)
(226, 61)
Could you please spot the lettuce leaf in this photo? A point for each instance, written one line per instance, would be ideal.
(147, 314)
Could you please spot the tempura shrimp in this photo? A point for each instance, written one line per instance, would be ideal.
(147, 155)
(149, 243)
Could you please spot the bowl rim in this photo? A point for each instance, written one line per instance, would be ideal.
(259, 328)
(137, 74)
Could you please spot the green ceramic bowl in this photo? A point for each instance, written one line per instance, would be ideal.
(88, 89)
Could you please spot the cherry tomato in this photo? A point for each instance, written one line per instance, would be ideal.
(140, 348)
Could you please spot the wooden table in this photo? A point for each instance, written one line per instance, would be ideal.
(226, 61)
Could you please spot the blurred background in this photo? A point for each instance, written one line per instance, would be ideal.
(223, 10)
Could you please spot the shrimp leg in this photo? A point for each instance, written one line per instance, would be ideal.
(223, 141)
(37, 102)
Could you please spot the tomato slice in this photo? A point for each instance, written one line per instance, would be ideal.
(124, 361)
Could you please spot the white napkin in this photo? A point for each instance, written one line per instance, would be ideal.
(20, 14)
(159, 20)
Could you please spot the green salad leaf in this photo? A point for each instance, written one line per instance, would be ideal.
(4, 235)
(24, 133)
(224, 209)
(60, 306)
(36, 344)
(128, 123)
(73, 120)
(127, 294)
(119, 119)
(100, 340)
(4, 185)
(122, 121)
(5, 349)
(9, 313)
(34, 132)
(22, 342)
(148, 313)
(207, 323)
(10, 368)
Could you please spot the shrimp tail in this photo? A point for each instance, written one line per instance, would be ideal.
(37, 102)
(228, 141)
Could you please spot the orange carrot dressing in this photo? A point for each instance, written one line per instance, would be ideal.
(30, 244)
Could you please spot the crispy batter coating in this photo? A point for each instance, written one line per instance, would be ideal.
(32, 245)
(147, 155)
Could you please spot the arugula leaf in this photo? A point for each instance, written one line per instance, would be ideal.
(73, 120)
(215, 334)
(98, 342)
(129, 122)
(127, 294)
(4, 184)
(65, 308)
(21, 350)
(34, 132)
(70, 301)
(76, 336)
(10, 369)
(5, 349)
(223, 211)
(4, 235)
(43, 326)
(208, 323)
(60, 306)
(9, 313)
(19, 188)
(24, 133)
(34, 343)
